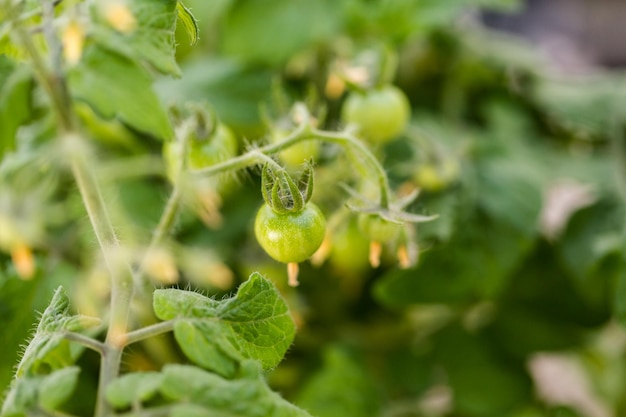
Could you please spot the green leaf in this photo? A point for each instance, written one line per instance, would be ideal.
(286, 27)
(15, 105)
(130, 388)
(340, 388)
(116, 86)
(205, 343)
(19, 302)
(233, 89)
(254, 324)
(249, 396)
(189, 22)
(151, 41)
(44, 392)
(483, 384)
(21, 397)
(592, 249)
(48, 345)
(57, 387)
(259, 319)
(171, 304)
(586, 107)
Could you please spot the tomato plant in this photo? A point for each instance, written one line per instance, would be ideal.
(449, 206)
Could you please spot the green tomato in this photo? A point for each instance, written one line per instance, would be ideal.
(349, 252)
(434, 178)
(301, 152)
(381, 114)
(294, 156)
(220, 146)
(290, 237)
(378, 229)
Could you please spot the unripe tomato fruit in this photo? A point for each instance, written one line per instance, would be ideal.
(296, 155)
(349, 253)
(434, 178)
(290, 237)
(220, 146)
(378, 229)
(381, 114)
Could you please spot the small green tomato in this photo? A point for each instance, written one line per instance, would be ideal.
(296, 155)
(378, 229)
(381, 114)
(290, 237)
(218, 147)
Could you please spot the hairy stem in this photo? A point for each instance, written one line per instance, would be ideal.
(52, 80)
(121, 277)
(347, 139)
(86, 341)
(302, 133)
(150, 331)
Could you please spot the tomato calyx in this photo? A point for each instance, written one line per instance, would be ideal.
(282, 193)
(385, 223)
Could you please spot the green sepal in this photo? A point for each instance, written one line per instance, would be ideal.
(305, 182)
(282, 193)
(189, 22)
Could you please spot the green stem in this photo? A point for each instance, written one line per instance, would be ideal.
(86, 341)
(150, 331)
(304, 132)
(52, 85)
(347, 139)
(121, 278)
(257, 155)
(109, 369)
(55, 86)
(166, 224)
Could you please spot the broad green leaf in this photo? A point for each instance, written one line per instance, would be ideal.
(286, 27)
(234, 90)
(57, 387)
(259, 320)
(151, 41)
(254, 324)
(116, 86)
(592, 250)
(48, 345)
(205, 343)
(249, 396)
(340, 388)
(543, 309)
(171, 304)
(131, 388)
(15, 105)
(586, 107)
(482, 383)
(189, 22)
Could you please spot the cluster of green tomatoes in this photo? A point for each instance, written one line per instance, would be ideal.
(288, 226)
